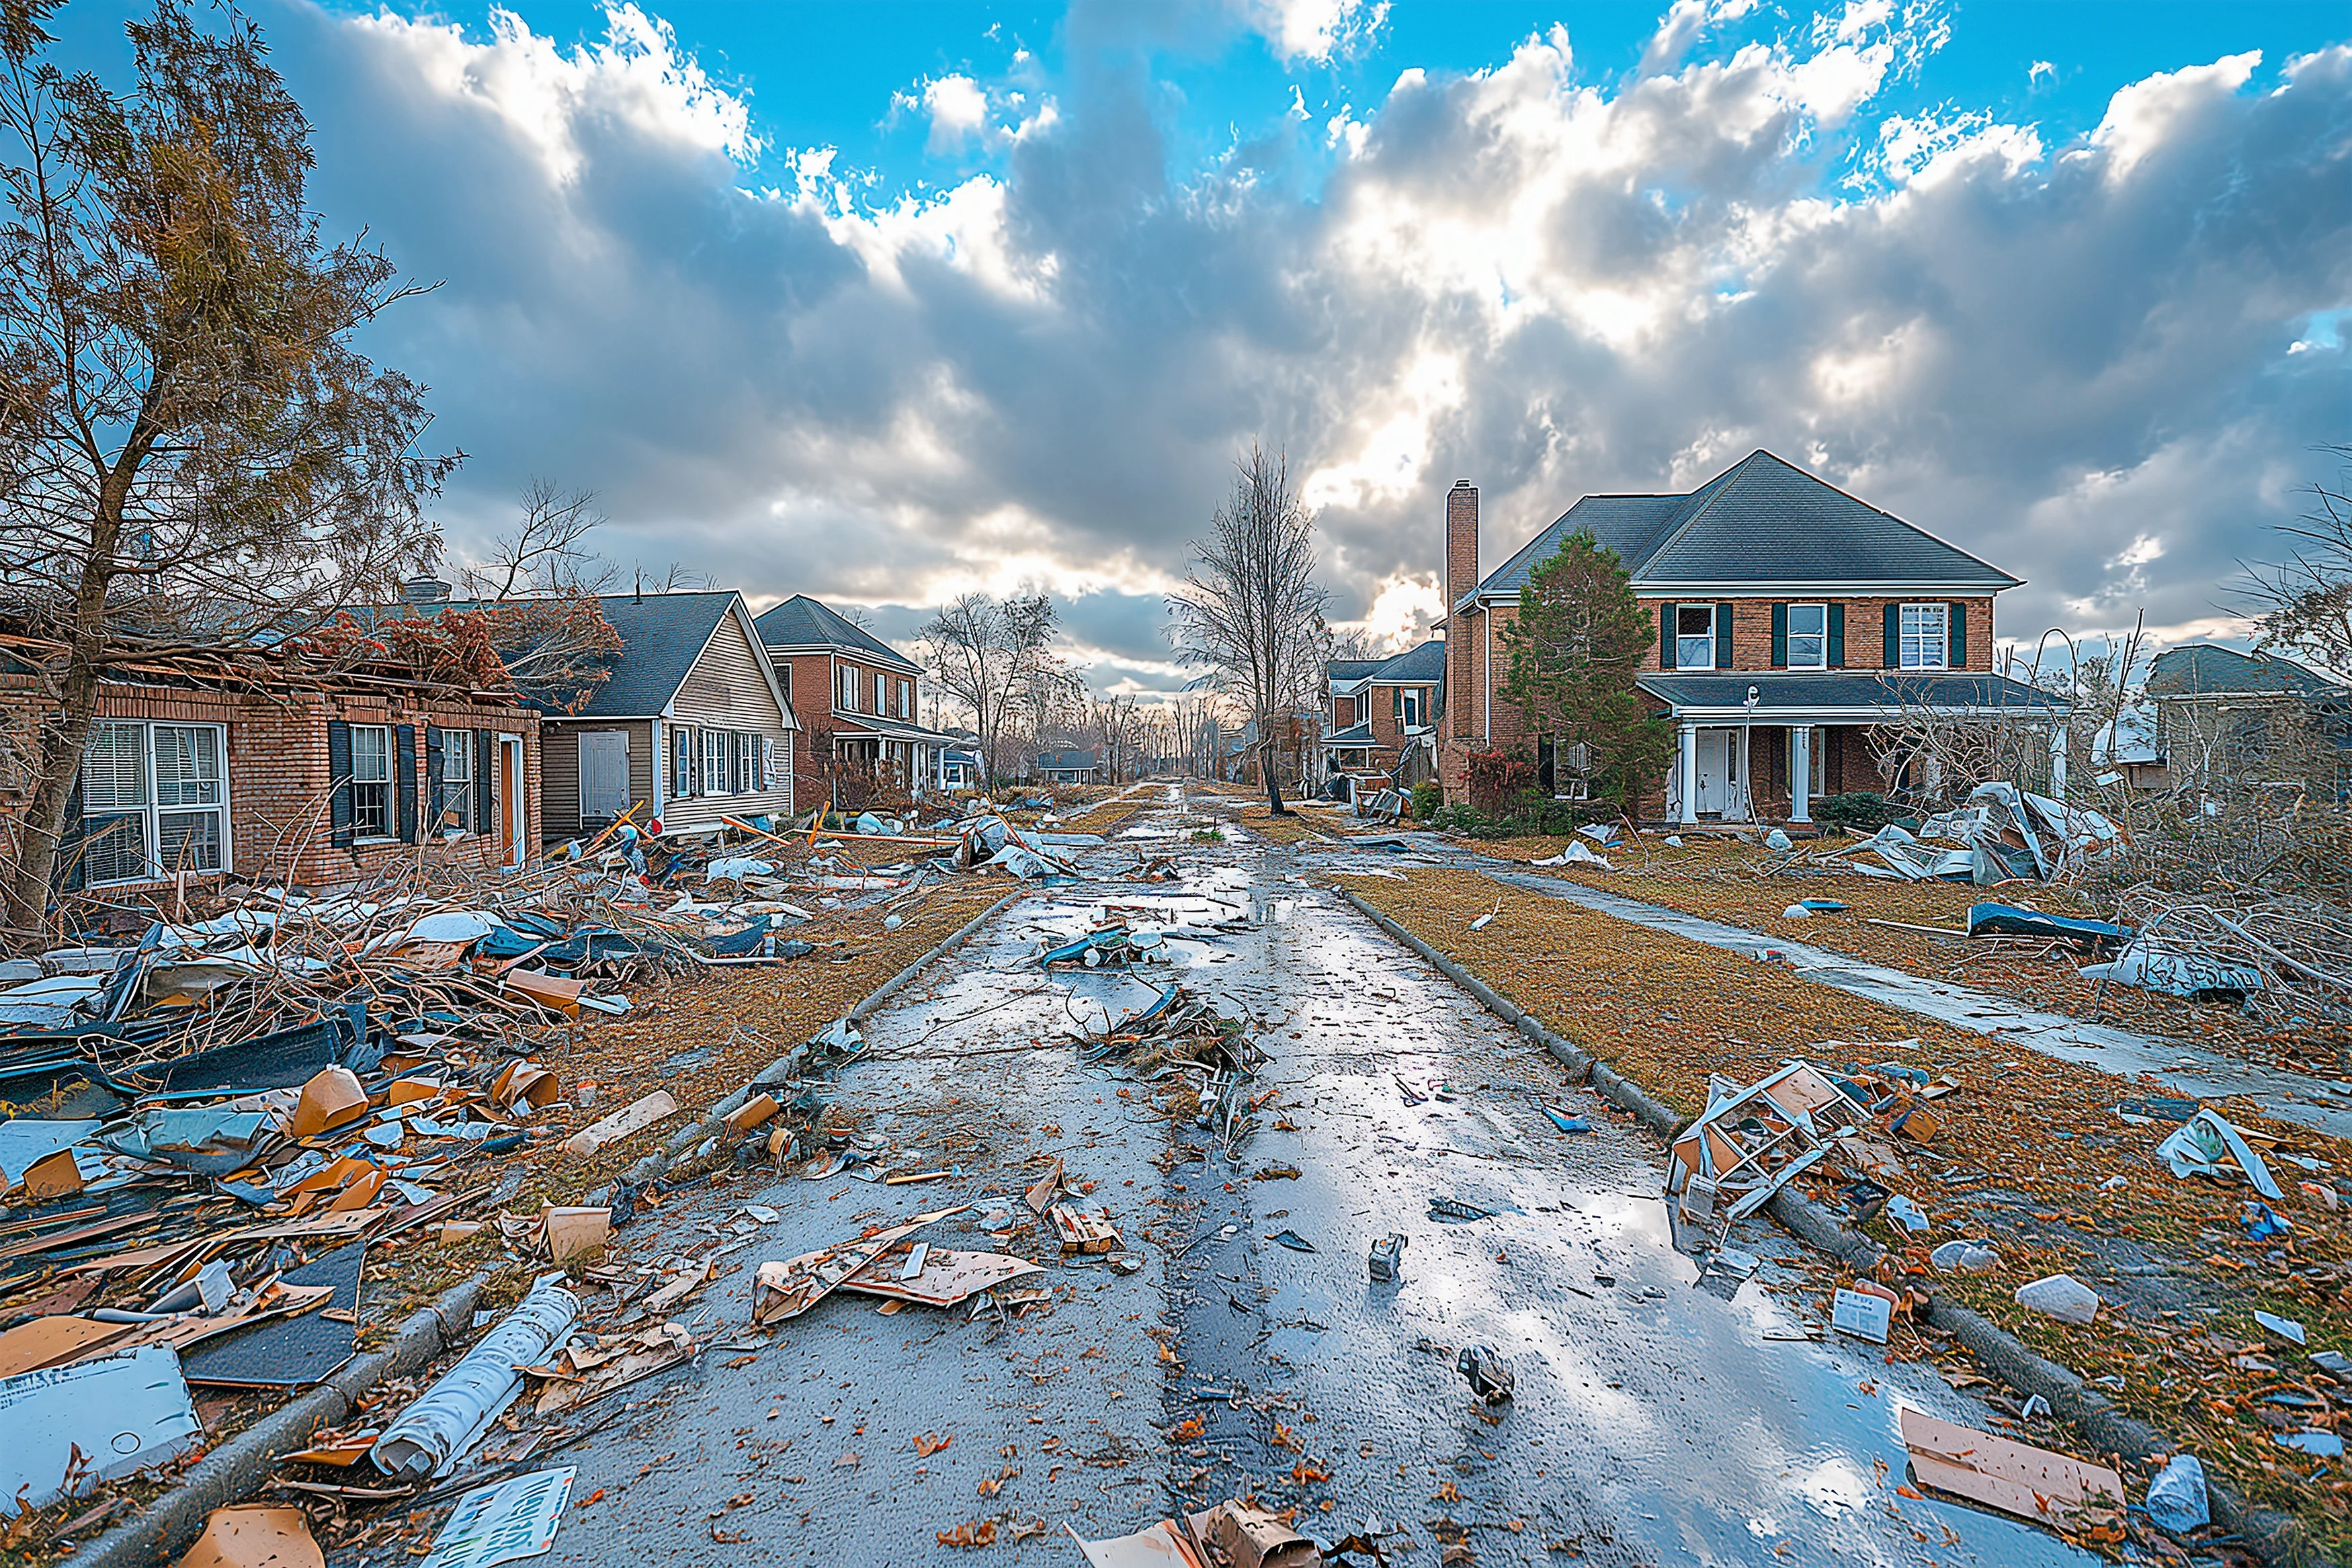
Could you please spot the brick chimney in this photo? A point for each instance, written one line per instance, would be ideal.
(1461, 577)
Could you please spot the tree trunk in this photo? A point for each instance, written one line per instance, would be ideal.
(27, 896)
(1273, 787)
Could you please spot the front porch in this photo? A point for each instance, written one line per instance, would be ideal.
(1765, 746)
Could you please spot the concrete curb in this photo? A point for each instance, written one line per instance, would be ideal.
(165, 1527)
(2274, 1537)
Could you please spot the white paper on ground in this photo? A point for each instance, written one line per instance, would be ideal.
(499, 1523)
(1866, 1317)
(126, 1412)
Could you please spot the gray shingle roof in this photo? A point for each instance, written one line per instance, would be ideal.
(1423, 664)
(1350, 669)
(1782, 690)
(801, 621)
(1354, 735)
(1760, 520)
(661, 635)
(2202, 668)
(1065, 761)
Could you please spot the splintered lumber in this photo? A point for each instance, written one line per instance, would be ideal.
(2031, 1483)
(1084, 1230)
(944, 1278)
(623, 1123)
(786, 1289)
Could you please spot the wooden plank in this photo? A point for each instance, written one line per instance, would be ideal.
(622, 1123)
(2031, 1483)
(945, 1278)
(1082, 1231)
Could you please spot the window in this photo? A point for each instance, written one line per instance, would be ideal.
(1923, 636)
(906, 699)
(1809, 636)
(846, 680)
(682, 768)
(371, 782)
(739, 770)
(154, 801)
(714, 762)
(1693, 636)
(456, 780)
(1412, 708)
(881, 702)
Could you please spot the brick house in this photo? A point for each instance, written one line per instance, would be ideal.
(248, 767)
(692, 724)
(1795, 624)
(856, 697)
(1385, 714)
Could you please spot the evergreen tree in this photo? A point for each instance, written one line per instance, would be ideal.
(1575, 648)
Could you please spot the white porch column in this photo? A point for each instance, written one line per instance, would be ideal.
(1800, 773)
(2058, 760)
(1687, 765)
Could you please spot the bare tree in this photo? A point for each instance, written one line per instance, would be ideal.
(1250, 611)
(993, 657)
(2305, 603)
(191, 450)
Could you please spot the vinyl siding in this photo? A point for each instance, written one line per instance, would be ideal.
(560, 771)
(725, 690)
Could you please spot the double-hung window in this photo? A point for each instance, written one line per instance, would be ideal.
(1412, 708)
(1693, 636)
(1809, 636)
(881, 701)
(714, 762)
(1923, 647)
(372, 781)
(457, 781)
(847, 679)
(682, 767)
(906, 699)
(154, 801)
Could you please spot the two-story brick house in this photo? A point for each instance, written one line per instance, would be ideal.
(1796, 623)
(1383, 714)
(857, 697)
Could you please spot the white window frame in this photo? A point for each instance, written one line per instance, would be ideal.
(844, 687)
(150, 812)
(714, 762)
(456, 782)
(881, 693)
(1821, 656)
(382, 832)
(682, 764)
(1933, 625)
(1412, 701)
(1685, 641)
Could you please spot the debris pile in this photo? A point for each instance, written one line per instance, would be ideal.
(2004, 834)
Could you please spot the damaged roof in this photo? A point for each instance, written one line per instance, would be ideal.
(1762, 521)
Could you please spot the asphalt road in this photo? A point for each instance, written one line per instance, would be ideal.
(1663, 1412)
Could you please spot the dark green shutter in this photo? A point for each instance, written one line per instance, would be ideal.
(404, 779)
(1725, 658)
(437, 793)
(486, 808)
(1780, 637)
(1955, 635)
(1666, 636)
(1837, 636)
(339, 776)
(1890, 654)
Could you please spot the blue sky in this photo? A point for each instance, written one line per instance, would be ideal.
(880, 302)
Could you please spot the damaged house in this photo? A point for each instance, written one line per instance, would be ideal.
(2217, 720)
(272, 764)
(1799, 629)
(1383, 714)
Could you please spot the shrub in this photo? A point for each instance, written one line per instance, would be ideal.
(1496, 776)
(1426, 799)
(1866, 810)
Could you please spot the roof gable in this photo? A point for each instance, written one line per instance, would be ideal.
(662, 634)
(1763, 520)
(2206, 669)
(1423, 664)
(801, 621)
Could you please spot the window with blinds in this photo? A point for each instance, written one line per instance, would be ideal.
(154, 802)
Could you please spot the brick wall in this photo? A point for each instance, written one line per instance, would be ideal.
(280, 807)
(1865, 619)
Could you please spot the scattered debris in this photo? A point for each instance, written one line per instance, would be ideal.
(462, 1403)
(499, 1523)
(2060, 1296)
(2208, 1145)
(1488, 1376)
(2066, 1494)
(98, 1419)
(254, 1538)
(1387, 1257)
(1866, 1315)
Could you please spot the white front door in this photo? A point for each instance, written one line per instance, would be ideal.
(1714, 771)
(603, 774)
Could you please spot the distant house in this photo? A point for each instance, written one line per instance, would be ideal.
(1797, 628)
(691, 726)
(958, 761)
(1068, 767)
(1384, 714)
(2226, 720)
(855, 693)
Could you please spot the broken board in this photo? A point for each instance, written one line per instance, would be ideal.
(624, 1123)
(124, 1413)
(2031, 1483)
(1083, 1231)
(787, 1288)
(945, 1278)
(295, 1352)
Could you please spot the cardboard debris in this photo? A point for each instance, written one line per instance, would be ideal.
(524, 1083)
(1158, 1547)
(1251, 1537)
(593, 1366)
(254, 1538)
(622, 1123)
(53, 1177)
(1084, 1230)
(784, 1289)
(2063, 1493)
(568, 1233)
(330, 1100)
(753, 1112)
(46, 1342)
(1045, 1189)
(944, 1278)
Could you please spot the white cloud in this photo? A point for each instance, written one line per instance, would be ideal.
(2077, 366)
(1315, 29)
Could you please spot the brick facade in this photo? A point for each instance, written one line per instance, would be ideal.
(280, 805)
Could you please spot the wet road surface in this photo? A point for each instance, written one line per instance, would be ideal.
(1663, 1414)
